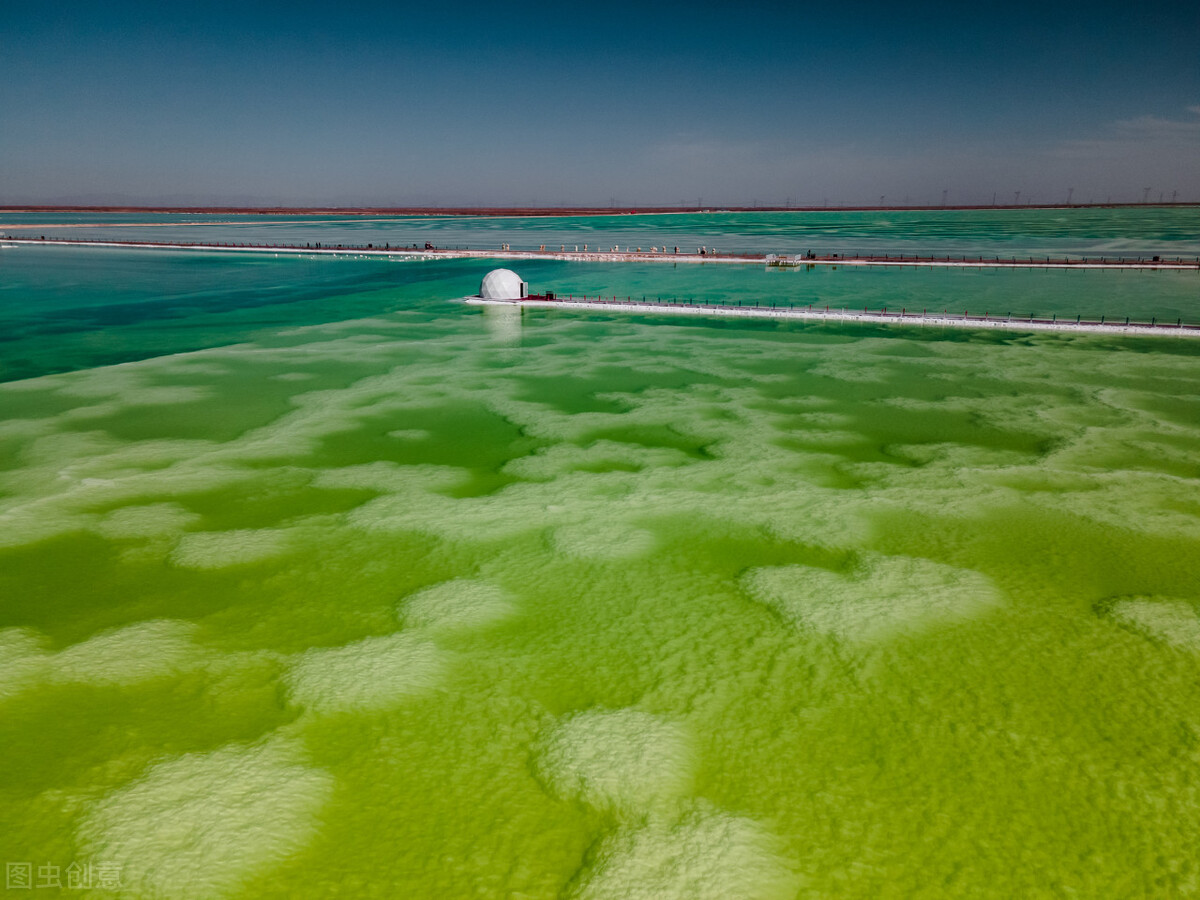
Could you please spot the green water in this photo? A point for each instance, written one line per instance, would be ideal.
(337, 588)
(1127, 231)
(66, 308)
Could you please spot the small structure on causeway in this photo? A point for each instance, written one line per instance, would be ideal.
(503, 284)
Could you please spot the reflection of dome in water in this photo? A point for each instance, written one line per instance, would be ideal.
(503, 284)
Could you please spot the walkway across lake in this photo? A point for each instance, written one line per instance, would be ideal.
(1121, 325)
(638, 255)
(873, 316)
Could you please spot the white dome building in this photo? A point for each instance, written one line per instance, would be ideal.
(503, 284)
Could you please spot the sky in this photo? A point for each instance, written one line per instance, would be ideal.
(601, 103)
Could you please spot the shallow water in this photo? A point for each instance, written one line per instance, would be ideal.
(1125, 231)
(64, 308)
(339, 586)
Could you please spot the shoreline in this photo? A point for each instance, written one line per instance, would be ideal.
(876, 317)
(627, 256)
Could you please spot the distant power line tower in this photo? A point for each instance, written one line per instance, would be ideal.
(1070, 191)
(1016, 198)
(1145, 194)
(944, 193)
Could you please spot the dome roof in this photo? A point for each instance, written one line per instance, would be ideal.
(503, 284)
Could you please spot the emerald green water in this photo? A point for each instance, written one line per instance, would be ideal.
(336, 587)
(1123, 231)
(65, 308)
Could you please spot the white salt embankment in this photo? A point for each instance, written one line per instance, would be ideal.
(774, 312)
(628, 255)
(876, 317)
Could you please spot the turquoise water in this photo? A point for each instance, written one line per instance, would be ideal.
(1128, 231)
(66, 308)
(314, 582)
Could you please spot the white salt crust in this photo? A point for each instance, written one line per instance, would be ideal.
(1172, 621)
(703, 856)
(203, 825)
(69, 472)
(149, 521)
(885, 597)
(624, 759)
(374, 673)
(461, 603)
(603, 540)
(144, 651)
(223, 549)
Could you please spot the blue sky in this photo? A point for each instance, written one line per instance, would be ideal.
(597, 103)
